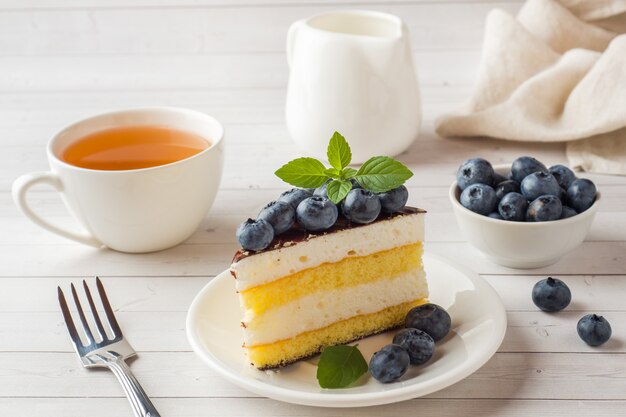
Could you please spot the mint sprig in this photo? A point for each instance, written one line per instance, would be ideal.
(337, 190)
(340, 366)
(305, 172)
(378, 174)
(381, 173)
(339, 153)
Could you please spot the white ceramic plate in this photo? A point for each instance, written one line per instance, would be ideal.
(478, 327)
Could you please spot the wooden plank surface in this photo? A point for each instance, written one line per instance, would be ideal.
(181, 374)
(223, 30)
(226, 407)
(23, 5)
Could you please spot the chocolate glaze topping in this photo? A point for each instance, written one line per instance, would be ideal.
(296, 234)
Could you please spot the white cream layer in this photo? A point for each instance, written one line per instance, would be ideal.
(322, 309)
(360, 241)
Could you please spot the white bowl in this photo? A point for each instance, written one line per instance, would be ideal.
(521, 245)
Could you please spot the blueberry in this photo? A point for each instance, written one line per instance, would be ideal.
(389, 363)
(479, 198)
(316, 213)
(431, 319)
(321, 190)
(361, 206)
(568, 212)
(505, 187)
(295, 196)
(581, 194)
(474, 171)
(495, 215)
(513, 207)
(564, 176)
(393, 200)
(551, 294)
(544, 208)
(497, 178)
(255, 234)
(418, 344)
(525, 165)
(539, 183)
(355, 183)
(594, 330)
(280, 215)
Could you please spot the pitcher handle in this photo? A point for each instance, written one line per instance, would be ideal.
(291, 39)
(19, 191)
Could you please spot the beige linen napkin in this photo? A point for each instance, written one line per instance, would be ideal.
(555, 73)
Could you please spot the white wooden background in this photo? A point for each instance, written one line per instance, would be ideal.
(66, 59)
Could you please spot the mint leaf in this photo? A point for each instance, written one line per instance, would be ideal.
(348, 173)
(303, 172)
(339, 153)
(340, 366)
(381, 173)
(338, 189)
(332, 172)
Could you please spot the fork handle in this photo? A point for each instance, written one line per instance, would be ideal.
(139, 401)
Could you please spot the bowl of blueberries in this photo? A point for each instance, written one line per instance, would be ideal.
(522, 215)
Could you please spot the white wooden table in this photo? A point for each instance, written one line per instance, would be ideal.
(67, 59)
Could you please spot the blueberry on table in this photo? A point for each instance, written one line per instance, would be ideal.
(513, 207)
(418, 344)
(431, 319)
(505, 187)
(295, 196)
(361, 206)
(495, 215)
(538, 184)
(551, 294)
(280, 215)
(564, 176)
(255, 235)
(479, 198)
(545, 208)
(474, 171)
(594, 330)
(316, 213)
(568, 212)
(525, 165)
(389, 363)
(393, 200)
(581, 194)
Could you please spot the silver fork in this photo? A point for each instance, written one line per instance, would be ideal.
(106, 352)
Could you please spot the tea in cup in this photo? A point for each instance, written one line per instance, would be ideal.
(137, 180)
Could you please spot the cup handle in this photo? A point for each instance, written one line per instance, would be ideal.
(19, 191)
(291, 38)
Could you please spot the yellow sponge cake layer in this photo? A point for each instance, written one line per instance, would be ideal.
(348, 272)
(309, 343)
(318, 310)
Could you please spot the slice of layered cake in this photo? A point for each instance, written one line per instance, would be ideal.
(310, 290)
(332, 265)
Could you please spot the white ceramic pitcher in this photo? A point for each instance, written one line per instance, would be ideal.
(352, 72)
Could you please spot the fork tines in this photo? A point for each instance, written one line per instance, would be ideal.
(110, 316)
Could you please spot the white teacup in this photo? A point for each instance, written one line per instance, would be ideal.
(352, 72)
(139, 210)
